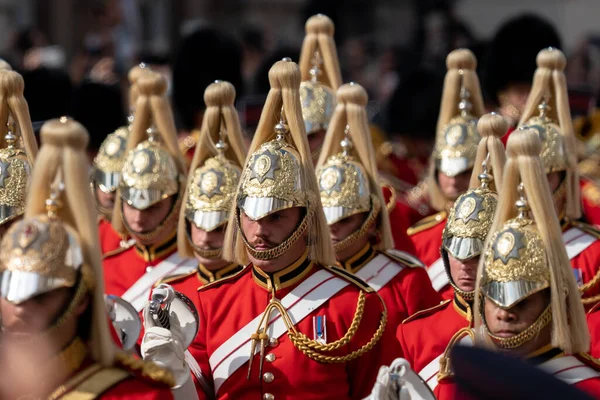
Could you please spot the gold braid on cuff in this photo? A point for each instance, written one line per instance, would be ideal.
(282, 247)
(523, 337)
(364, 229)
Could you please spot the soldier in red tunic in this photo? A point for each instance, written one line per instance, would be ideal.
(214, 176)
(527, 300)
(593, 320)
(289, 325)
(148, 200)
(427, 337)
(52, 289)
(321, 77)
(15, 161)
(454, 153)
(547, 111)
(358, 219)
(106, 174)
(490, 154)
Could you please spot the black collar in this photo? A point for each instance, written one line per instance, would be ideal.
(359, 260)
(284, 278)
(206, 276)
(155, 251)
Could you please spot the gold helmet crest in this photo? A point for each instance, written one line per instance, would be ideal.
(317, 89)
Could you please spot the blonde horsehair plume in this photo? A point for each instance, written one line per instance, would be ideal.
(220, 115)
(549, 83)
(284, 77)
(569, 328)
(351, 110)
(133, 76)
(5, 66)
(461, 65)
(319, 37)
(13, 103)
(152, 106)
(63, 153)
(491, 127)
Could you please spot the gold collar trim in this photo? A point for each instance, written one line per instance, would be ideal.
(284, 278)
(463, 308)
(359, 260)
(156, 251)
(206, 276)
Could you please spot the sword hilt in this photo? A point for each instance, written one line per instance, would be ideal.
(160, 304)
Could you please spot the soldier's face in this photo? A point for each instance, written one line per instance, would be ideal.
(554, 180)
(508, 323)
(315, 140)
(269, 232)
(454, 186)
(36, 314)
(106, 200)
(344, 228)
(208, 241)
(143, 221)
(464, 273)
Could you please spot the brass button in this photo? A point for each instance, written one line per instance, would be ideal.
(271, 357)
(268, 377)
(148, 269)
(273, 341)
(268, 396)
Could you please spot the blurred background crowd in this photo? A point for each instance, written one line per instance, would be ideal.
(74, 54)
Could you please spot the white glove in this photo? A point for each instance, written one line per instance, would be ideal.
(384, 388)
(399, 382)
(165, 347)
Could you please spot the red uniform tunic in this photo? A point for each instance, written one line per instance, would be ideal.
(590, 199)
(586, 264)
(593, 320)
(426, 335)
(123, 269)
(230, 304)
(426, 238)
(189, 284)
(405, 294)
(399, 221)
(110, 240)
(448, 390)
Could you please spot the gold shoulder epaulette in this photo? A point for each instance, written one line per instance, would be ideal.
(589, 361)
(591, 192)
(175, 278)
(223, 280)
(404, 258)
(145, 369)
(427, 223)
(350, 277)
(426, 312)
(587, 228)
(125, 245)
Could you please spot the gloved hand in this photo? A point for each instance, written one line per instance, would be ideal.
(399, 382)
(384, 388)
(165, 346)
